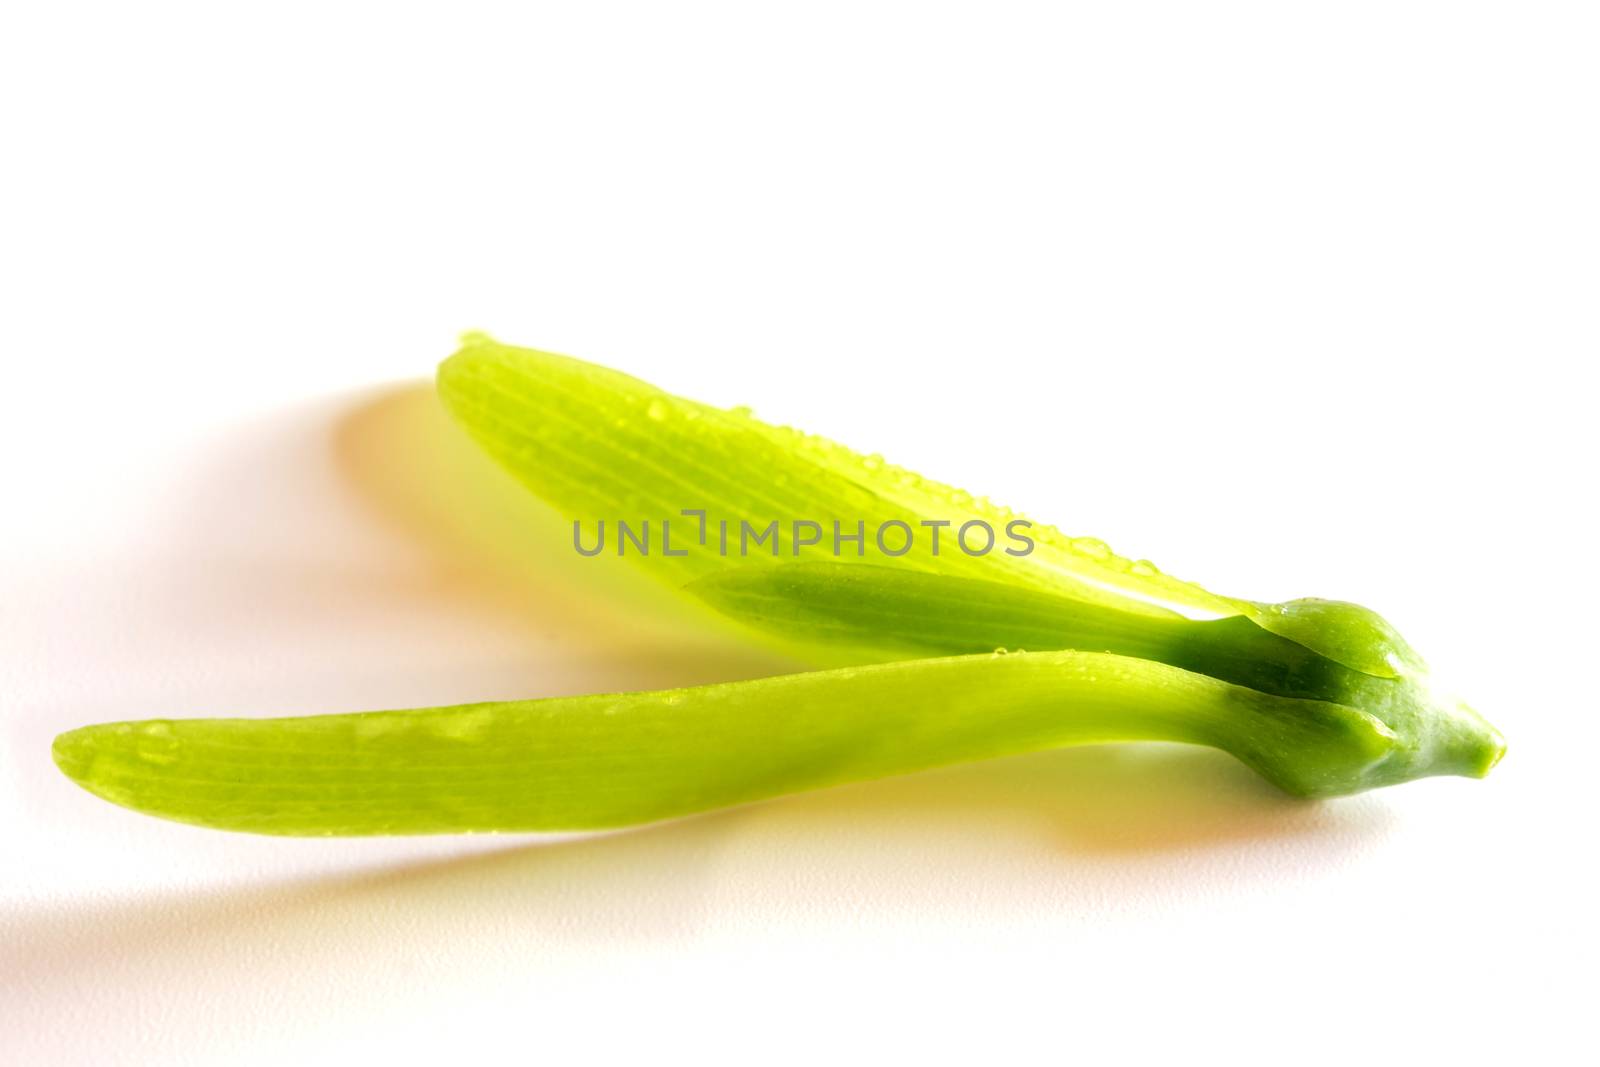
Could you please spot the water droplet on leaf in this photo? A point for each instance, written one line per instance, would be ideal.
(1091, 546)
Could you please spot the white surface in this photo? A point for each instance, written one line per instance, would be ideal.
(1291, 300)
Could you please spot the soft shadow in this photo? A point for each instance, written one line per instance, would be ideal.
(501, 548)
(327, 559)
(363, 553)
(1061, 832)
(496, 546)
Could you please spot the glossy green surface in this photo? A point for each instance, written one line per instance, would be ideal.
(599, 445)
(612, 760)
(1321, 697)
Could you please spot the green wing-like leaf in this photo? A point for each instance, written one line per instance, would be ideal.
(613, 760)
(602, 446)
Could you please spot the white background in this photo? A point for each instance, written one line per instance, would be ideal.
(1292, 299)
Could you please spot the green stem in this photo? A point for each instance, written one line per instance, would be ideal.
(910, 613)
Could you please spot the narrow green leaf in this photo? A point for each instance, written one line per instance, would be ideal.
(614, 760)
(601, 446)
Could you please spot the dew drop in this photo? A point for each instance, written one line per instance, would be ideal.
(657, 409)
(1143, 568)
(1091, 546)
(872, 462)
(742, 410)
(156, 744)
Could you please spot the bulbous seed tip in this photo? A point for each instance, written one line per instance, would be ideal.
(1467, 745)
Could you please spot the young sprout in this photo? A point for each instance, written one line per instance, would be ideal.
(1320, 697)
